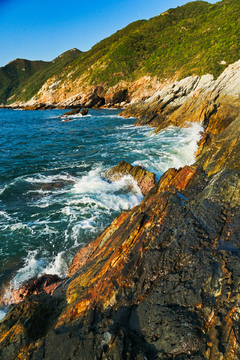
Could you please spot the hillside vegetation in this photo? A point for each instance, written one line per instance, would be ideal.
(22, 78)
(196, 38)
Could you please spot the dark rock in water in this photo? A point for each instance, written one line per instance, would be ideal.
(84, 112)
(72, 112)
(146, 180)
(162, 281)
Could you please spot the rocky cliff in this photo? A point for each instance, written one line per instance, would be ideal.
(162, 281)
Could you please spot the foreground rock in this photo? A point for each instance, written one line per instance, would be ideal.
(146, 180)
(162, 282)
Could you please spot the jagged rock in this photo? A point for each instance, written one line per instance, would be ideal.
(214, 104)
(146, 180)
(162, 281)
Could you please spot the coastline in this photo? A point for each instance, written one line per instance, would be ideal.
(169, 263)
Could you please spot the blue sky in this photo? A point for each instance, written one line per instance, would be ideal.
(42, 30)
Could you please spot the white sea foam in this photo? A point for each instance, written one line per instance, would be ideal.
(77, 116)
(36, 267)
(176, 149)
(118, 195)
(32, 267)
(45, 179)
(58, 266)
(5, 215)
(19, 227)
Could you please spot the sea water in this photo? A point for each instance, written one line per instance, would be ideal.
(54, 197)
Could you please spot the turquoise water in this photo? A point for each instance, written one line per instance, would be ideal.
(53, 194)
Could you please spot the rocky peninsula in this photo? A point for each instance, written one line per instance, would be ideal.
(162, 281)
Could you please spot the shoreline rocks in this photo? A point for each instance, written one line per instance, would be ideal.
(212, 103)
(163, 280)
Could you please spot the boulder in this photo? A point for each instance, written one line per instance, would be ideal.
(72, 112)
(146, 180)
(84, 112)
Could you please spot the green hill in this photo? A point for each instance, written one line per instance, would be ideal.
(196, 38)
(21, 79)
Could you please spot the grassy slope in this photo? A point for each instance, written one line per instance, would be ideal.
(191, 39)
(25, 83)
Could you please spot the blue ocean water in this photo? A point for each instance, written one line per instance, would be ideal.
(53, 194)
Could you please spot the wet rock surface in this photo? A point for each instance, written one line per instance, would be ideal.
(146, 180)
(161, 282)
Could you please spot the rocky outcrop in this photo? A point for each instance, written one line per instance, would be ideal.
(212, 103)
(84, 112)
(68, 94)
(146, 180)
(161, 282)
(116, 95)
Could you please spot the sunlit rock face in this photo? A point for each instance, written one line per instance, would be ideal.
(212, 103)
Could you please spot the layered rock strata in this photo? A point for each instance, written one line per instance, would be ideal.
(162, 282)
